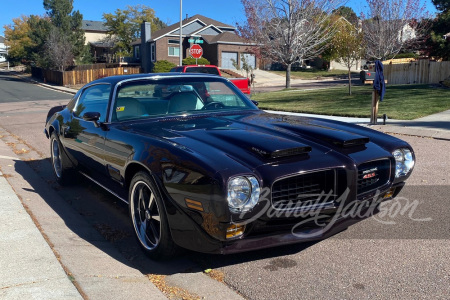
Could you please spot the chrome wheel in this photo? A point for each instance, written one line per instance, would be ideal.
(56, 158)
(145, 214)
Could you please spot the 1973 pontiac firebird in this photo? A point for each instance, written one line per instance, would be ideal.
(202, 168)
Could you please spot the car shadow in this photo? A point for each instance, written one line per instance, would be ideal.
(96, 216)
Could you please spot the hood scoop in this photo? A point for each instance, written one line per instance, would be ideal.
(265, 145)
(339, 138)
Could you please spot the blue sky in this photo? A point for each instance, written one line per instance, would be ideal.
(228, 11)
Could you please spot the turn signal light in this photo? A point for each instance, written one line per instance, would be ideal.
(197, 205)
(235, 230)
(389, 193)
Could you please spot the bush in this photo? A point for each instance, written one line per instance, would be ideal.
(191, 61)
(163, 66)
(404, 55)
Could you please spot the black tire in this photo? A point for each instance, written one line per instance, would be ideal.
(149, 218)
(62, 168)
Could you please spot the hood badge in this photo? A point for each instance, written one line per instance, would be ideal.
(260, 152)
(371, 173)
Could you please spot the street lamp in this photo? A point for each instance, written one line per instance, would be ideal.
(181, 33)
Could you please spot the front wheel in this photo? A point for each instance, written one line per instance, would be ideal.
(149, 218)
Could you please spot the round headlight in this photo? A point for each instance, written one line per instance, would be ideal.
(243, 193)
(404, 162)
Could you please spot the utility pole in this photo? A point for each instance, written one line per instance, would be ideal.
(181, 32)
(7, 56)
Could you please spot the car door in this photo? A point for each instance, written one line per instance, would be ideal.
(84, 140)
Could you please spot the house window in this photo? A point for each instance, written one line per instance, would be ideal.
(174, 51)
(153, 52)
(137, 52)
(174, 41)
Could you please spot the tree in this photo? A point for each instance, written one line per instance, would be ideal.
(288, 31)
(245, 65)
(68, 22)
(17, 38)
(438, 46)
(124, 26)
(389, 24)
(348, 13)
(442, 5)
(346, 47)
(40, 29)
(58, 50)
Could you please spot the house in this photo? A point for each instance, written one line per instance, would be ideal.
(2, 49)
(447, 36)
(96, 34)
(221, 45)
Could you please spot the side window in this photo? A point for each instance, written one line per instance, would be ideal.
(93, 99)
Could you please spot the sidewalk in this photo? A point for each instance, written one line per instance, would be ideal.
(49, 251)
(29, 268)
(434, 126)
(269, 79)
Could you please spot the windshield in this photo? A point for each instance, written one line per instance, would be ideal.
(175, 96)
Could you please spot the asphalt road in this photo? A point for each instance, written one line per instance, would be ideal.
(13, 89)
(403, 255)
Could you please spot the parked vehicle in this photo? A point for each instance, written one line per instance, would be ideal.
(242, 83)
(202, 168)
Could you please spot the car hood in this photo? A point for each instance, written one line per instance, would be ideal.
(255, 138)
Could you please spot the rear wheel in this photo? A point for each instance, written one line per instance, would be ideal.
(149, 218)
(62, 173)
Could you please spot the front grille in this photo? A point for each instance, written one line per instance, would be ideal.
(373, 175)
(316, 188)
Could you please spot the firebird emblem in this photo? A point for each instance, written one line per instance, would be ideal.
(370, 175)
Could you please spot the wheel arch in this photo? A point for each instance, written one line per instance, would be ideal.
(133, 168)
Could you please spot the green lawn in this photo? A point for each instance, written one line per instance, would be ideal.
(312, 73)
(402, 102)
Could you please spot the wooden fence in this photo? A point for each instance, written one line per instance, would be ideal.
(415, 72)
(78, 77)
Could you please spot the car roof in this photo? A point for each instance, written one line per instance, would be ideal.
(193, 66)
(116, 79)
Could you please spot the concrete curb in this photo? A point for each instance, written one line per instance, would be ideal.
(414, 131)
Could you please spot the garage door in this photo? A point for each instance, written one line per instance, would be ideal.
(227, 60)
(251, 59)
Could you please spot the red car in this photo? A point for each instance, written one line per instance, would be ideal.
(241, 83)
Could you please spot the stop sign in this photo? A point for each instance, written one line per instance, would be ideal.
(196, 51)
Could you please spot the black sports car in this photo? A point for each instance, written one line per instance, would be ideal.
(202, 168)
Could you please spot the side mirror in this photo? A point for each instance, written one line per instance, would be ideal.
(92, 117)
(255, 102)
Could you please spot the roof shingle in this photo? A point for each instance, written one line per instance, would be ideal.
(206, 20)
(94, 26)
